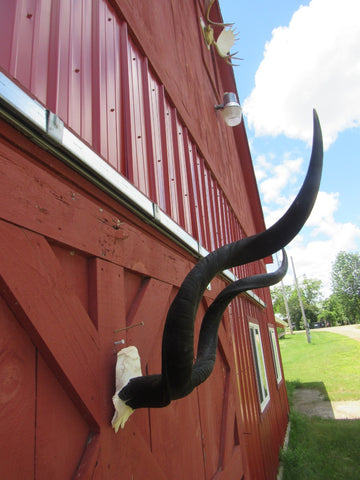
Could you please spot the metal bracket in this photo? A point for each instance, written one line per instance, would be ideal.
(54, 126)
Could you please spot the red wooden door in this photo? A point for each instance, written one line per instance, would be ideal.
(57, 368)
(71, 285)
(49, 362)
(54, 373)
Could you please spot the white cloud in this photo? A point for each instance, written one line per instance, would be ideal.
(262, 165)
(322, 216)
(282, 175)
(275, 184)
(314, 62)
(314, 258)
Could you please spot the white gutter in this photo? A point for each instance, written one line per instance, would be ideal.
(48, 130)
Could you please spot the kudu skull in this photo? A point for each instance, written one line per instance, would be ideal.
(180, 374)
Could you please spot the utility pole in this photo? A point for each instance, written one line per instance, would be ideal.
(287, 307)
(307, 329)
(286, 303)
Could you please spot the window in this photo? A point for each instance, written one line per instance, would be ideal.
(275, 354)
(259, 362)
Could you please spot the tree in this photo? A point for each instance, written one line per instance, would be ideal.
(345, 278)
(332, 311)
(278, 299)
(310, 291)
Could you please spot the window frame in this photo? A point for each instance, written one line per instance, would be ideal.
(275, 354)
(259, 365)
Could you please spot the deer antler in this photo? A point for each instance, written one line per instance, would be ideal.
(223, 44)
(225, 40)
(208, 8)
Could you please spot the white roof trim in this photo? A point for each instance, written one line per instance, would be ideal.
(27, 111)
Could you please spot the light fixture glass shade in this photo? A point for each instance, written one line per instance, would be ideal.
(232, 114)
(230, 109)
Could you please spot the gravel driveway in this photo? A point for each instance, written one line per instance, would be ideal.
(352, 331)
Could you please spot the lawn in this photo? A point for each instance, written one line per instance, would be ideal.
(330, 358)
(322, 449)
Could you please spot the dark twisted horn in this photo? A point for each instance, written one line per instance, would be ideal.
(178, 338)
(208, 339)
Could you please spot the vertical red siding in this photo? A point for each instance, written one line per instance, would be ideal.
(171, 165)
(179, 136)
(108, 128)
(138, 161)
(157, 127)
(69, 64)
(79, 60)
(202, 203)
(265, 430)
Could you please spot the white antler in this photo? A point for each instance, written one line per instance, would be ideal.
(225, 40)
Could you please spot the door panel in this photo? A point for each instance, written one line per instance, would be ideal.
(176, 438)
(66, 314)
(126, 454)
(61, 432)
(17, 398)
(51, 314)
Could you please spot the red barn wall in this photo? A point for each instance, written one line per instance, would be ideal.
(136, 83)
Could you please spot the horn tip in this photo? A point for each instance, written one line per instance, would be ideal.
(317, 126)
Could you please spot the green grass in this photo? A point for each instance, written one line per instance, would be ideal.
(330, 358)
(322, 449)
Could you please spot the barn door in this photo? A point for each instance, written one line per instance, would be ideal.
(63, 316)
(220, 415)
(49, 362)
(56, 365)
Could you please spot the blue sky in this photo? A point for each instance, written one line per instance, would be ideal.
(297, 56)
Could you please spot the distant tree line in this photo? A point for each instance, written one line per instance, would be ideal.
(340, 308)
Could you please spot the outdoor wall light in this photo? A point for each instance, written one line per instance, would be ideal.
(230, 109)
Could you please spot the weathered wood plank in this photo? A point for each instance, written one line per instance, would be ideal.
(61, 432)
(151, 308)
(17, 398)
(176, 439)
(35, 290)
(121, 452)
(90, 464)
(54, 205)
